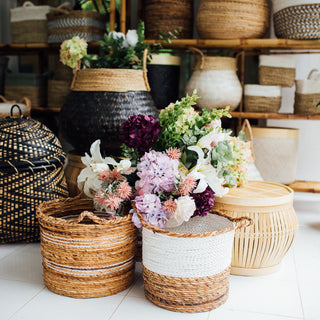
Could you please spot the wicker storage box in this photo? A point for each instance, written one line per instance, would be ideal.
(194, 275)
(65, 23)
(259, 249)
(276, 153)
(232, 19)
(31, 171)
(5, 107)
(307, 97)
(58, 91)
(29, 23)
(258, 98)
(31, 85)
(84, 255)
(296, 19)
(275, 70)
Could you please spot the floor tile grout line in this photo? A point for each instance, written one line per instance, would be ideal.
(43, 288)
(114, 311)
(298, 284)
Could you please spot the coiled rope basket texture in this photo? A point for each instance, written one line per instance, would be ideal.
(187, 269)
(85, 255)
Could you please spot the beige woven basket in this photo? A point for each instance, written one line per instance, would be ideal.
(58, 91)
(259, 249)
(84, 255)
(187, 268)
(5, 107)
(307, 96)
(226, 19)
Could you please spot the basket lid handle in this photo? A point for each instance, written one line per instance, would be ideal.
(28, 4)
(201, 54)
(15, 106)
(90, 215)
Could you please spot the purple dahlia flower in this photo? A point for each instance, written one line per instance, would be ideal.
(140, 132)
(204, 202)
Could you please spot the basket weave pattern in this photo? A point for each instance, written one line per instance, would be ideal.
(298, 22)
(306, 103)
(277, 76)
(262, 104)
(85, 255)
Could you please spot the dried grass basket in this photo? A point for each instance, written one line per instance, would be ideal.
(85, 255)
(58, 90)
(232, 19)
(296, 19)
(187, 268)
(65, 23)
(31, 171)
(307, 97)
(259, 249)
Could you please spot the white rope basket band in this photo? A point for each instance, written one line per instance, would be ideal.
(190, 257)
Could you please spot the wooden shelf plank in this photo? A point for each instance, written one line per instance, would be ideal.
(45, 110)
(288, 116)
(305, 186)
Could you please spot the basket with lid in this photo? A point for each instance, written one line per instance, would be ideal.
(31, 171)
(85, 254)
(194, 275)
(260, 248)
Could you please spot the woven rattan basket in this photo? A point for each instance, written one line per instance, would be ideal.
(65, 23)
(307, 97)
(277, 70)
(187, 268)
(31, 171)
(232, 19)
(58, 90)
(296, 19)
(5, 107)
(259, 249)
(84, 255)
(259, 98)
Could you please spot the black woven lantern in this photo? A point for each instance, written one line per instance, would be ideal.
(31, 171)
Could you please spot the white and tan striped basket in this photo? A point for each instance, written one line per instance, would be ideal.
(187, 268)
(259, 98)
(277, 70)
(260, 249)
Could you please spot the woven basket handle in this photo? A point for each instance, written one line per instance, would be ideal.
(245, 222)
(63, 9)
(90, 215)
(5, 100)
(27, 102)
(144, 69)
(201, 54)
(15, 106)
(246, 124)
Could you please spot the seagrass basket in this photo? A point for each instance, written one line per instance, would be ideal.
(277, 70)
(65, 23)
(307, 97)
(258, 98)
(31, 171)
(232, 19)
(187, 268)
(58, 91)
(85, 254)
(296, 19)
(260, 248)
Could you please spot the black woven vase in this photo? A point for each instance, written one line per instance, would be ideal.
(90, 115)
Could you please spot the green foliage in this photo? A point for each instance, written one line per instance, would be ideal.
(167, 36)
(130, 153)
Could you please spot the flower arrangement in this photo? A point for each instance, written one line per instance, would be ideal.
(117, 50)
(177, 166)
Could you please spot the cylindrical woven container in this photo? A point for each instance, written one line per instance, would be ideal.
(216, 81)
(58, 90)
(65, 23)
(307, 97)
(276, 153)
(187, 268)
(100, 100)
(168, 16)
(259, 98)
(5, 107)
(296, 19)
(275, 70)
(259, 249)
(84, 255)
(31, 171)
(72, 170)
(163, 77)
(232, 19)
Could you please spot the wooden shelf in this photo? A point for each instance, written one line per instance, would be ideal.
(286, 116)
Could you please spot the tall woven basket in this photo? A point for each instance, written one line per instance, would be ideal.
(85, 255)
(100, 100)
(260, 249)
(232, 19)
(31, 171)
(187, 268)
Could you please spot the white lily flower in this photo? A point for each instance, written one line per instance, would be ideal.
(132, 38)
(212, 138)
(207, 174)
(124, 165)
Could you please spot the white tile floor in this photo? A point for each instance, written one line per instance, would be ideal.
(291, 293)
